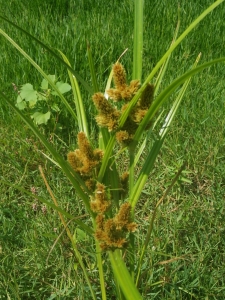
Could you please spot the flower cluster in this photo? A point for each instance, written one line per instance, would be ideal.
(109, 114)
(85, 160)
(122, 91)
(112, 232)
(101, 200)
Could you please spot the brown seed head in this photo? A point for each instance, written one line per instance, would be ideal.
(108, 115)
(73, 161)
(119, 76)
(101, 203)
(147, 97)
(84, 159)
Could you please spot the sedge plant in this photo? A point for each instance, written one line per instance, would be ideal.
(126, 111)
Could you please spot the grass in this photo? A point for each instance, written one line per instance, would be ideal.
(186, 255)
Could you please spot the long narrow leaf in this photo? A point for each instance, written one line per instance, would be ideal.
(100, 270)
(104, 135)
(107, 154)
(81, 115)
(122, 275)
(146, 169)
(176, 103)
(165, 64)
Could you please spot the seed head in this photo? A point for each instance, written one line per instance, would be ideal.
(108, 115)
(101, 203)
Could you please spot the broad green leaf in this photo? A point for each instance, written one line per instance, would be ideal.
(32, 103)
(28, 93)
(63, 88)
(44, 84)
(41, 97)
(40, 118)
(20, 103)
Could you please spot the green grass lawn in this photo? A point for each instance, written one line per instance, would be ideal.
(186, 255)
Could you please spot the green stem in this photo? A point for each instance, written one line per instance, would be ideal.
(108, 152)
(138, 39)
(79, 258)
(131, 185)
(131, 169)
(100, 270)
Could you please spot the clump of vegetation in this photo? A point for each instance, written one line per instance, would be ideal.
(109, 175)
(42, 106)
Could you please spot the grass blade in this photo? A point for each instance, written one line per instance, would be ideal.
(147, 239)
(176, 103)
